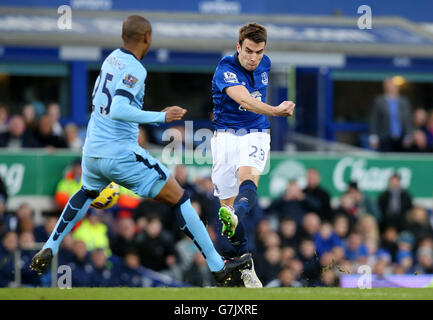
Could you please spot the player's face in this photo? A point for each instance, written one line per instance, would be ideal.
(250, 54)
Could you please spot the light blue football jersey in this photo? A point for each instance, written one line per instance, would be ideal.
(121, 74)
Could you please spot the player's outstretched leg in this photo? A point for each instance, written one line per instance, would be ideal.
(74, 210)
(190, 223)
(234, 229)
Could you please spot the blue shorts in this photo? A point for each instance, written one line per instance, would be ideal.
(138, 172)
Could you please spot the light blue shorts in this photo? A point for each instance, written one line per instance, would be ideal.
(138, 172)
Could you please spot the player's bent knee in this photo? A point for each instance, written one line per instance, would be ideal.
(171, 193)
(90, 193)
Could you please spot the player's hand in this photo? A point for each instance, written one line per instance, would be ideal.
(285, 109)
(173, 113)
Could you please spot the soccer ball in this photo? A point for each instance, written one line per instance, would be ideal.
(108, 197)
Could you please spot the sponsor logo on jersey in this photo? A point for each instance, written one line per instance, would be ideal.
(230, 77)
(265, 78)
(129, 81)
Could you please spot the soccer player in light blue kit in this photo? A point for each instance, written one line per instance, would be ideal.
(241, 142)
(111, 152)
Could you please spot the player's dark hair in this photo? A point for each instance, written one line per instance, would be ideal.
(254, 32)
(134, 27)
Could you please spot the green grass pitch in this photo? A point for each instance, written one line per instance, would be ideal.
(226, 294)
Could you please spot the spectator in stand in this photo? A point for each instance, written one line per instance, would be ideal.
(419, 119)
(423, 138)
(363, 202)
(199, 275)
(310, 260)
(383, 266)
(8, 220)
(368, 227)
(103, 274)
(341, 226)
(404, 256)
(417, 222)
(262, 230)
(53, 111)
(185, 252)
(73, 141)
(93, 232)
(272, 239)
(181, 176)
(66, 251)
(17, 135)
(298, 268)
(4, 118)
(348, 208)
(21, 219)
(389, 241)
(29, 114)
(81, 265)
(429, 127)
(329, 278)
(310, 225)
(288, 233)
(286, 278)
(314, 190)
(394, 203)
(131, 272)
(70, 184)
(28, 277)
(42, 232)
(7, 248)
(294, 204)
(424, 261)
(124, 240)
(355, 249)
(326, 240)
(420, 142)
(149, 207)
(269, 265)
(287, 255)
(390, 120)
(45, 135)
(155, 246)
(3, 191)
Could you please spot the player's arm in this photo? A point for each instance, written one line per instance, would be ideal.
(121, 109)
(241, 95)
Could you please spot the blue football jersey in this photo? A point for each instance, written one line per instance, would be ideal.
(228, 114)
(121, 74)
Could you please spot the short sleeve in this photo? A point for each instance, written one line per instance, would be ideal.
(130, 83)
(226, 76)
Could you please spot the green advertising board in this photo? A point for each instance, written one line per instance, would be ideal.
(37, 173)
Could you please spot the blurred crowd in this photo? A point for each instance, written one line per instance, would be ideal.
(395, 126)
(299, 239)
(33, 128)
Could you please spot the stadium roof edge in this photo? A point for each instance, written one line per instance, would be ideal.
(390, 36)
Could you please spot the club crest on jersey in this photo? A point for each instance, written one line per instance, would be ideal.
(265, 78)
(230, 77)
(129, 81)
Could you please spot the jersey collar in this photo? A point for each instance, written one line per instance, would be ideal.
(128, 52)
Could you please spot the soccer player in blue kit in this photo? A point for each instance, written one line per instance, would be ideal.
(241, 142)
(111, 152)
